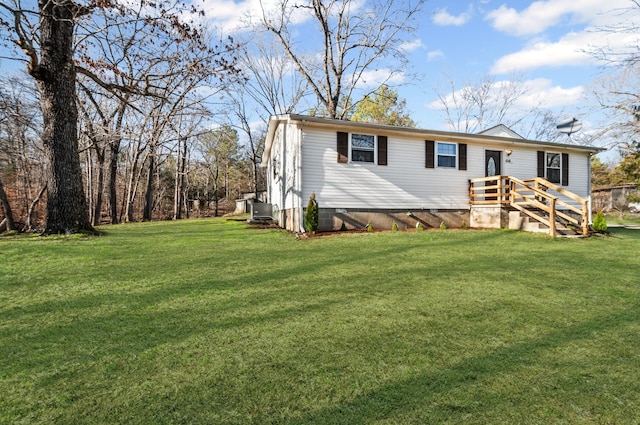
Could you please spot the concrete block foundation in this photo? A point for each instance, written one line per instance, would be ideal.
(333, 218)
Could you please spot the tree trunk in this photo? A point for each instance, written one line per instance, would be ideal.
(29, 226)
(10, 225)
(89, 180)
(181, 165)
(132, 183)
(114, 148)
(66, 202)
(177, 208)
(97, 209)
(148, 199)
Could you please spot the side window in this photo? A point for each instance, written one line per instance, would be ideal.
(447, 154)
(363, 147)
(553, 169)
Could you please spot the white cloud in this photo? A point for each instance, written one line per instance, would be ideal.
(443, 18)
(570, 50)
(227, 14)
(538, 92)
(541, 15)
(542, 92)
(231, 15)
(375, 78)
(434, 54)
(567, 51)
(412, 45)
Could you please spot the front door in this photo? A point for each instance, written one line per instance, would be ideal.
(492, 162)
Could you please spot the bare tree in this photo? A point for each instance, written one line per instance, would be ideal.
(616, 94)
(352, 38)
(56, 48)
(218, 149)
(8, 221)
(269, 79)
(626, 24)
(255, 138)
(478, 106)
(20, 146)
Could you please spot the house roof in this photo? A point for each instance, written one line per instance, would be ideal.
(486, 137)
(501, 130)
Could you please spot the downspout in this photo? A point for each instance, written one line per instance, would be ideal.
(300, 176)
(589, 211)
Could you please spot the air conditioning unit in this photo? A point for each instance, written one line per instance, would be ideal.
(261, 211)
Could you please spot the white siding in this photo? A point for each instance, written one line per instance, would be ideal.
(284, 181)
(580, 175)
(405, 182)
(523, 164)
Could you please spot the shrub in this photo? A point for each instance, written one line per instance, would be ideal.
(599, 222)
(443, 226)
(369, 227)
(394, 226)
(343, 228)
(419, 227)
(311, 218)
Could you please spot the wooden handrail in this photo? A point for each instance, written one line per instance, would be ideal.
(583, 211)
(521, 194)
(559, 189)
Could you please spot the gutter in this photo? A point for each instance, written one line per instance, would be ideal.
(443, 136)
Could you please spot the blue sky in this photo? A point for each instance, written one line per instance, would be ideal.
(541, 42)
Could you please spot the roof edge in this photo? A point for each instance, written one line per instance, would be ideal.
(276, 120)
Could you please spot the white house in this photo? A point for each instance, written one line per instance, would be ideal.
(368, 173)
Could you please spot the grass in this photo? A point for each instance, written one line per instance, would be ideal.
(628, 219)
(212, 322)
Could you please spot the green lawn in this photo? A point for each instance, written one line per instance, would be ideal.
(213, 322)
(628, 219)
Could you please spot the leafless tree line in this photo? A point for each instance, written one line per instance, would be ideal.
(155, 118)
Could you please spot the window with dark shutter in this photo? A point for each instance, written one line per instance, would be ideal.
(554, 167)
(430, 161)
(343, 147)
(541, 163)
(565, 169)
(382, 150)
(462, 159)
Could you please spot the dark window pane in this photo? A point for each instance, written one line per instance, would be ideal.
(362, 141)
(553, 160)
(553, 175)
(446, 161)
(361, 156)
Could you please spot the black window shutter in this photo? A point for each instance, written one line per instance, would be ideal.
(430, 161)
(462, 159)
(382, 150)
(541, 164)
(565, 169)
(343, 147)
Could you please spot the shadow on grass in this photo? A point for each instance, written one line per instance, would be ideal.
(124, 322)
(424, 390)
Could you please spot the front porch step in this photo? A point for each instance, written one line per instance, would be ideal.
(520, 221)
